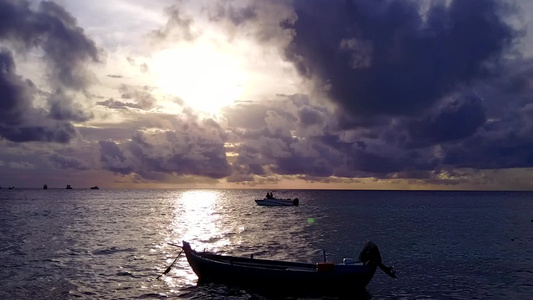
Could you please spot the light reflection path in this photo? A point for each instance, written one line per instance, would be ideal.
(196, 220)
(230, 223)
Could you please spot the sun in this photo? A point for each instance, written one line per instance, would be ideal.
(205, 78)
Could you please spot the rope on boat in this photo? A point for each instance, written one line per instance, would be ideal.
(169, 267)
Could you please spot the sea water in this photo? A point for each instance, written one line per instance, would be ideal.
(113, 244)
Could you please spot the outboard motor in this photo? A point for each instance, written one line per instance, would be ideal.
(370, 254)
(295, 202)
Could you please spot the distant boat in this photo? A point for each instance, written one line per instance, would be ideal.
(69, 187)
(45, 187)
(94, 187)
(270, 200)
(277, 202)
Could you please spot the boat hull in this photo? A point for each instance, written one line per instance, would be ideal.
(290, 277)
(277, 202)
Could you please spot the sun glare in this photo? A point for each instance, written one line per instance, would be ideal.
(204, 78)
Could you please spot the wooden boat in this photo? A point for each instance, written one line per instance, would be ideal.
(277, 202)
(322, 278)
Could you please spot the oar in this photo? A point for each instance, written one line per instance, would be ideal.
(175, 245)
(169, 267)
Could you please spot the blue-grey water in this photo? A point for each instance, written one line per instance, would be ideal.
(113, 244)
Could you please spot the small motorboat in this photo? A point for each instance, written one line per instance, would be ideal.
(321, 278)
(94, 187)
(277, 202)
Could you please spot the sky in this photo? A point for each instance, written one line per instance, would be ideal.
(302, 94)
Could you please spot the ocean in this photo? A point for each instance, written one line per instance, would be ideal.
(113, 244)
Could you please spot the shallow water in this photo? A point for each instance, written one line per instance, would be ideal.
(112, 244)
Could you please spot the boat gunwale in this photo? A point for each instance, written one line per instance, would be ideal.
(262, 274)
(357, 268)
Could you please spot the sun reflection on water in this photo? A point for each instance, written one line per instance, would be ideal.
(196, 220)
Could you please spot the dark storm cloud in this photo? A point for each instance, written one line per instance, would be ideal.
(53, 30)
(66, 51)
(312, 159)
(505, 140)
(19, 120)
(276, 152)
(268, 146)
(58, 133)
(493, 133)
(16, 92)
(456, 119)
(62, 108)
(403, 79)
(67, 162)
(492, 151)
(321, 149)
(310, 116)
(195, 147)
(113, 159)
(385, 58)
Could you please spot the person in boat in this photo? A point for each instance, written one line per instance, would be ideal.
(269, 195)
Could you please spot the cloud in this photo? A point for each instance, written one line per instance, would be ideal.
(139, 98)
(53, 30)
(20, 121)
(501, 143)
(65, 49)
(257, 19)
(386, 58)
(64, 162)
(456, 119)
(16, 92)
(113, 159)
(408, 84)
(195, 147)
(253, 20)
(142, 96)
(63, 108)
(405, 91)
(179, 26)
(21, 165)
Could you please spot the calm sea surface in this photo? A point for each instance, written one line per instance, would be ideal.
(112, 244)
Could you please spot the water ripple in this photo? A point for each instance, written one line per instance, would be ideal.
(113, 244)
